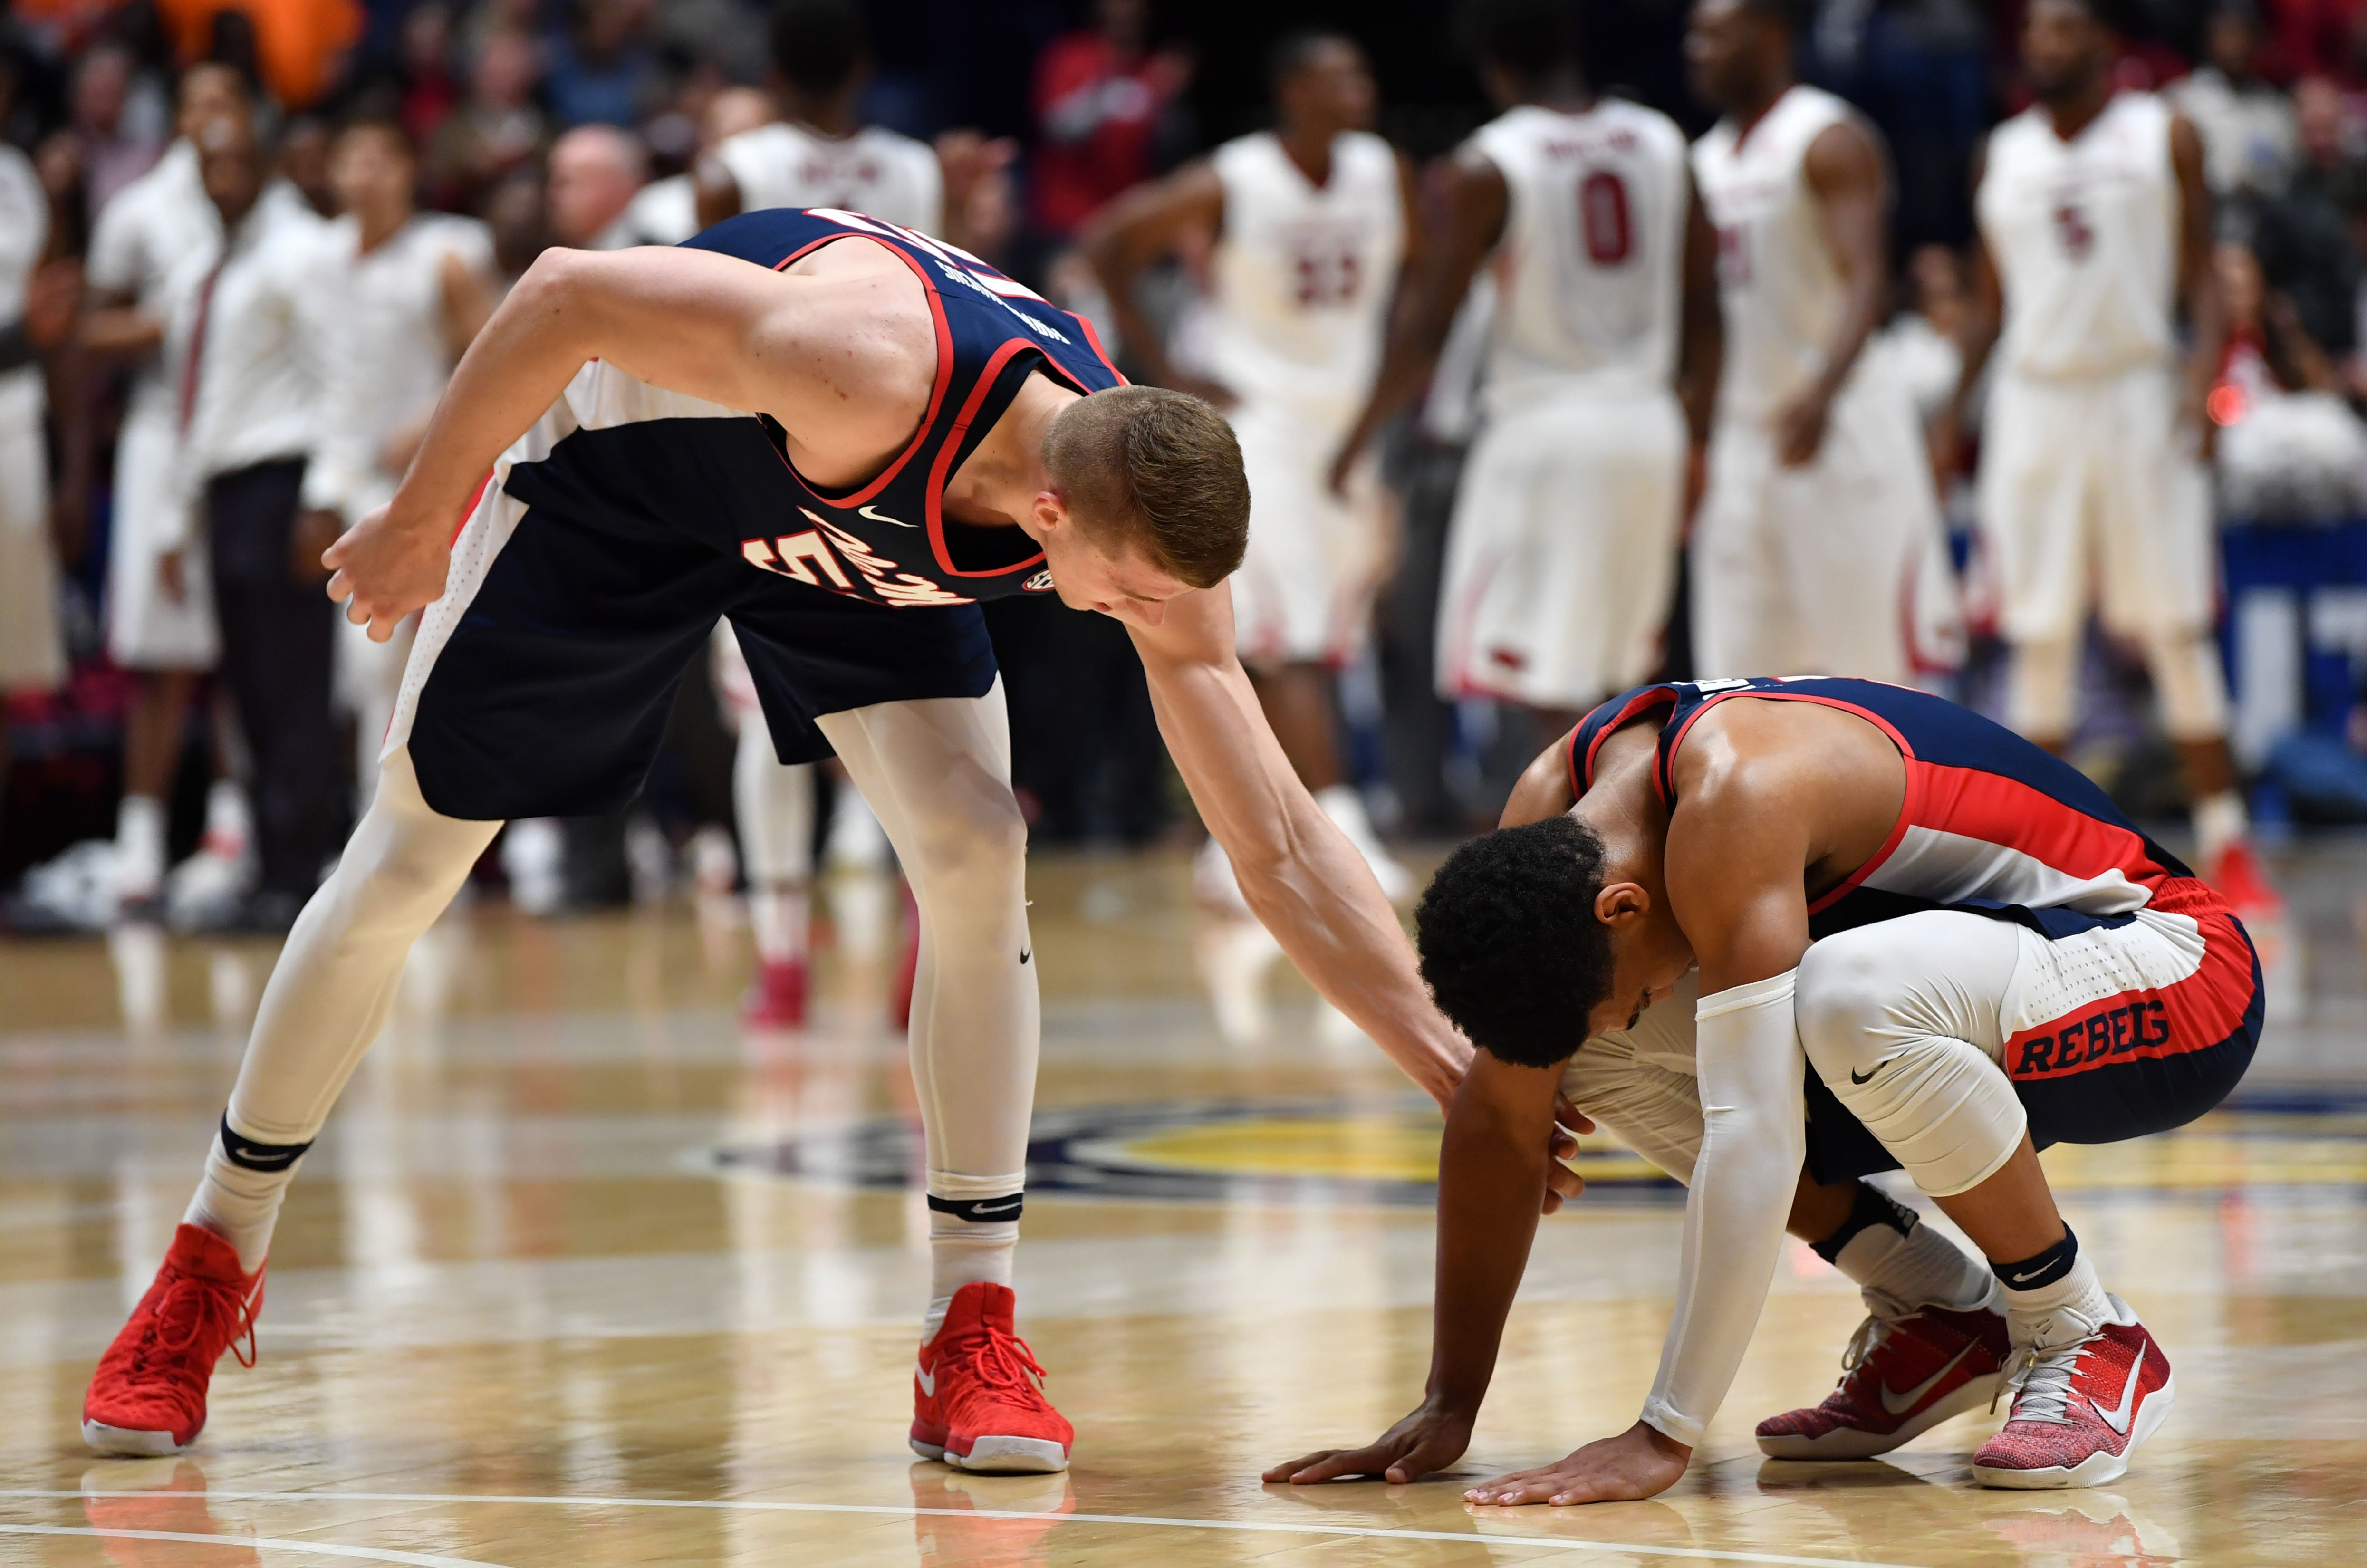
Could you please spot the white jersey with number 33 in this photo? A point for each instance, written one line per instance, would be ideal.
(1589, 272)
(1304, 272)
(1777, 281)
(2084, 234)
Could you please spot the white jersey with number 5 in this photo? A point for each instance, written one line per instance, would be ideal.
(1589, 272)
(1304, 272)
(2084, 234)
(1778, 283)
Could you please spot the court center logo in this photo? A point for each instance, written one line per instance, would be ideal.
(1210, 1152)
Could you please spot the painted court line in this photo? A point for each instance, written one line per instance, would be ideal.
(317, 1548)
(890, 1510)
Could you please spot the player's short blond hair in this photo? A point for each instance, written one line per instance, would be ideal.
(1162, 470)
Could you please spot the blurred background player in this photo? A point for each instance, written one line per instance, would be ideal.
(252, 384)
(1818, 547)
(32, 656)
(160, 623)
(2095, 227)
(1560, 560)
(404, 293)
(1309, 225)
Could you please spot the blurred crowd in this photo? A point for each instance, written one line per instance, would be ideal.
(404, 160)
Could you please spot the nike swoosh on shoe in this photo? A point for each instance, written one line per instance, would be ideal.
(2118, 1420)
(1900, 1404)
(927, 1379)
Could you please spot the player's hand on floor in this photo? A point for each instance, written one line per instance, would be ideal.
(1640, 1462)
(1428, 1439)
(1562, 1184)
(385, 569)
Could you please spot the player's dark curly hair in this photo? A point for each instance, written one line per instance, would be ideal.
(1511, 947)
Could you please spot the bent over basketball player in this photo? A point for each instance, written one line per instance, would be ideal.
(840, 448)
(1922, 942)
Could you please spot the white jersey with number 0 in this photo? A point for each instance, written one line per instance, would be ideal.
(873, 171)
(1778, 284)
(1304, 272)
(2084, 234)
(1590, 271)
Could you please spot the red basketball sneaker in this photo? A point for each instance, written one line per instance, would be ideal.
(2237, 873)
(978, 1397)
(1900, 1376)
(2081, 1405)
(149, 1394)
(777, 999)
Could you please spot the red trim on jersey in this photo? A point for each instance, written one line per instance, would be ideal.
(470, 510)
(2206, 1009)
(1642, 702)
(950, 445)
(1994, 809)
(937, 392)
(1100, 353)
(1664, 776)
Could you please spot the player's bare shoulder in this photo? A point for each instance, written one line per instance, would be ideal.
(854, 348)
(1786, 768)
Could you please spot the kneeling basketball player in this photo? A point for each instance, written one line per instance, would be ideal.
(839, 435)
(1922, 942)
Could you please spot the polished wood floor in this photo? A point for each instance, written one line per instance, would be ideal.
(581, 1275)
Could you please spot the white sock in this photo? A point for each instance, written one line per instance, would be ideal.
(139, 846)
(2053, 1314)
(229, 826)
(1899, 1272)
(2220, 820)
(779, 918)
(963, 1252)
(238, 1200)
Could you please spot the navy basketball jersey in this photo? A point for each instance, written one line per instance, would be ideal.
(632, 458)
(1990, 822)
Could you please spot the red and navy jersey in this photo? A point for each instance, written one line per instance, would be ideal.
(631, 458)
(1990, 822)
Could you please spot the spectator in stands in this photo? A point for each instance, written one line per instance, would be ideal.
(299, 45)
(113, 152)
(1100, 96)
(496, 130)
(594, 172)
(304, 162)
(512, 214)
(2250, 142)
(665, 211)
(2331, 165)
(2307, 239)
(601, 68)
(429, 92)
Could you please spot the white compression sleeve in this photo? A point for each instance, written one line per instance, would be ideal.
(1753, 1138)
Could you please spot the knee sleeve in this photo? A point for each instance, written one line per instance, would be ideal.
(775, 804)
(2190, 684)
(937, 772)
(2040, 681)
(330, 993)
(1900, 1020)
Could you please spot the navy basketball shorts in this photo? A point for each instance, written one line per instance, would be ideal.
(541, 683)
(2117, 1029)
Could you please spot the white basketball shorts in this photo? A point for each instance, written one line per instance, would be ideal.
(1839, 567)
(31, 656)
(148, 628)
(2090, 497)
(1305, 591)
(1561, 556)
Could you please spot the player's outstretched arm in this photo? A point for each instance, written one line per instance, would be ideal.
(1135, 230)
(1491, 1169)
(822, 355)
(1299, 874)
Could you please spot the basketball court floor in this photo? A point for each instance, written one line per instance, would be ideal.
(582, 1275)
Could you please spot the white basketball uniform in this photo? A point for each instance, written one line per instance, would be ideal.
(1303, 275)
(385, 359)
(31, 656)
(1562, 555)
(136, 248)
(1837, 566)
(873, 171)
(2088, 493)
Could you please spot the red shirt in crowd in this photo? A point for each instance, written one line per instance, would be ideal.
(1097, 113)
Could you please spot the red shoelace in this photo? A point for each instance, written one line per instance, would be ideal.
(194, 1311)
(1000, 1364)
